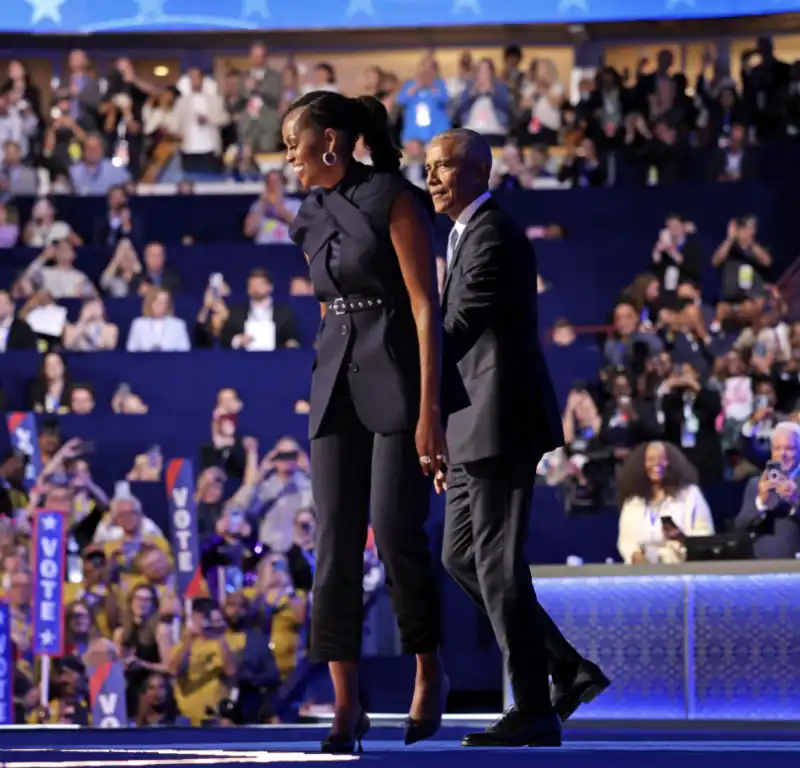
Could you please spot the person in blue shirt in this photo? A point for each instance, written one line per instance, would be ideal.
(424, 102)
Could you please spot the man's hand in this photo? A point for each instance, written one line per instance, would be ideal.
(765, 485)
(786, 488)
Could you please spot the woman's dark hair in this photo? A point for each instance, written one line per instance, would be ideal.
(145, 633)
(364, 117)
(633, 481)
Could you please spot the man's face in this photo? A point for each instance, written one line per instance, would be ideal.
(82, 402)
(258, 288)
(117, 199)
(784, 449)
(92, 151)
(675, 229)
(154, 258)
(449, 184)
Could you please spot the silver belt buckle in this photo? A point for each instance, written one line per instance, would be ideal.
(339, 307)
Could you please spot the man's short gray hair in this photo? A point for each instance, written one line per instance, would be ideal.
(471, 144)
(788, 427)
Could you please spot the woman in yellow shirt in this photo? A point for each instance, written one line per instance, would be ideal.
(282, 610)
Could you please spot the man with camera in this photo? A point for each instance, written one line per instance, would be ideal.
(769, 510)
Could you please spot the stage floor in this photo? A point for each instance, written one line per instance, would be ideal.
(618, 746)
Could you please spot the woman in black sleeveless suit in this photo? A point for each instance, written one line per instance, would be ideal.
(375, 425)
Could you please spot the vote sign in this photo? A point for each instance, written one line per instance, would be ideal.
(49, 535)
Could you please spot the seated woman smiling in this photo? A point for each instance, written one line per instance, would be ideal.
(660, 505)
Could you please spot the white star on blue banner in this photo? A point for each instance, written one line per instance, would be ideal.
(360, 6)
(255, 8)
(45, 9)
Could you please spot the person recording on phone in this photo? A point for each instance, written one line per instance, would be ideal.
(756, 434)
(275, 494)
(769, 506)
(213, 314)
(203, 662)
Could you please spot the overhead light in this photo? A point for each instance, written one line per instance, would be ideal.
(161, 71)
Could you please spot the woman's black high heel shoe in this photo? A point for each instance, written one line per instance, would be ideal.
(415, 730)
(346, 744)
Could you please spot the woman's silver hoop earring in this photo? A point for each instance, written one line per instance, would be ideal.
(329, 158)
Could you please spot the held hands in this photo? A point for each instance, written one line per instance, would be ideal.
(430, 442)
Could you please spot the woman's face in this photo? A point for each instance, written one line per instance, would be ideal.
(53, 367)
(652, 290)
(735, 364)
(305, 148)
(16, 71)
(160, 305)
(584, 408)
(156, 690)
(81, 621)
(142, 604)
(625, 320)
(655, 462)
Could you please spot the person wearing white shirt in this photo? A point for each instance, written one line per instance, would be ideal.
(661, 505)
(199, 115)
(158, 330)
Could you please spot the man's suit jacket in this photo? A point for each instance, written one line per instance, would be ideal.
(282, 316)
(20, 336)
(497, 391)
(778, 530)
(170, 281)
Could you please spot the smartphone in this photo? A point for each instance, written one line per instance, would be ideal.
(773, 470)
(760, 349)
(86, 447)
(286, 456)
(668, 522)
(235, 520)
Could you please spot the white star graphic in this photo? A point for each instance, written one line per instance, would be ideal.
(47, 638)
(255, 8)
(467, 5)
(152, 9)
(360, 6)
(568, 5)
(46, 9)
(49, 522)
(673, 4)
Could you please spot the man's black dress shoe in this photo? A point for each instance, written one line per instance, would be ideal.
(589, 682)
(516, 729)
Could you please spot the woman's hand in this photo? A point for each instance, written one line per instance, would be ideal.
(430, 442)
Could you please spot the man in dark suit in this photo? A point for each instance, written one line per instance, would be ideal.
(249, 326)
(503, 415)
(14, 333)
(770, 503)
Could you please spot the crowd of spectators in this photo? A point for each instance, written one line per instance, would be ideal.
(225, 656)
(107, 129)
(689, 393)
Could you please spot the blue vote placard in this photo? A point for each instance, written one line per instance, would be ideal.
(179, 479)
(25, 440)
(107, 696)
(59, 16)
(49, 535)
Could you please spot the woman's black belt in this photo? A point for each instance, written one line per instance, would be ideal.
(346, 306)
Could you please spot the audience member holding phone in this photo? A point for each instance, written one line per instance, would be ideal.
(275, 494)
(661, 505)
(226, 448)
(769, 507)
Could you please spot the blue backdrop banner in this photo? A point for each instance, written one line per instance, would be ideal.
(59, 16)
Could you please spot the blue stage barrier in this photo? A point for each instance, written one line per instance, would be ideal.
(692, 646)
